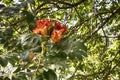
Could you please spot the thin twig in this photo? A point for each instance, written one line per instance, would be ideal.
(102, 25)
(72, 5)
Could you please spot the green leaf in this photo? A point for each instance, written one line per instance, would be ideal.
(62, 55)
(25, 56)
(46, 1)
(24, 4)
(24, 38)
(1, 6)
(7, 1)
(39, 77)
(17, 70)
(3, 62)
(62, 45)
(80, 45)
(21, 0)
(50, 75)
(31, 2)
(29, 17)
(11, 60)
(80, 54)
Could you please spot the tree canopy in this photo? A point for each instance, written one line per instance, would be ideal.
(59, 39)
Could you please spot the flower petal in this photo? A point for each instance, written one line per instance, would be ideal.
(56, 36)
(36, 30)
(39, 23)
(43, 30)
(63, 29)
(58, 25)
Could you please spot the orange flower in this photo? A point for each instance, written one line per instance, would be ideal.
(57, 33)
(43, 26)
(36, 30)
(59, 27)
(56, 36)
(39, 23)
(50, 27)
(43, 30)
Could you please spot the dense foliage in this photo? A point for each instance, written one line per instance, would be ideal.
(89, 49)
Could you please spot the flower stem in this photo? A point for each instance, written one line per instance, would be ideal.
(41, 58)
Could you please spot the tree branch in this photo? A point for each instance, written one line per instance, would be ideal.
(102, 25)
(69, 5)
(72, 5)
(40, 6)
(112, 68)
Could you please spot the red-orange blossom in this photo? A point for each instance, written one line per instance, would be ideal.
(43, 27)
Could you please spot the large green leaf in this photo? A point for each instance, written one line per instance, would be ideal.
(3, 61)
(80, 45)
(1, 6)
(50, 75)
(29, 17)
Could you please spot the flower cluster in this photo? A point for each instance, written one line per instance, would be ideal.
(50, 27)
